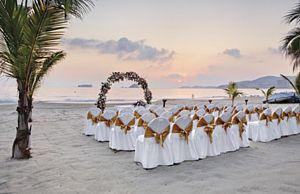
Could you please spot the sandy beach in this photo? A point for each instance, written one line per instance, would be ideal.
(65, 161)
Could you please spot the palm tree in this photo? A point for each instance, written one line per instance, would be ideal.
(268, 92)
(291, 43)
(295, 85)
(233, 92)
(28, 40)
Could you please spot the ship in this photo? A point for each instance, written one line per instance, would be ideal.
(85, 86)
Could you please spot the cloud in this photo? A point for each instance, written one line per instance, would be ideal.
(233, 52)
(175, 76)
(274, 51)
(124, 49)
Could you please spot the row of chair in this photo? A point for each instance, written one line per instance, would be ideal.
(159, 138)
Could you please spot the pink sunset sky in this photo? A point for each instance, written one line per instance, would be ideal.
(173, 42)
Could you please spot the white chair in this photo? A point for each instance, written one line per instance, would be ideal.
(91, 121)
(285, 127)
(126, 110)
(238, 130)
(204, 139)
(168, 115)
(153, 148)
(158, 111)
(122, 136)
(142, 123)
(184, 113)
(199, 114)
(261, 130)
(226, 140)
(294, 121)
(105, 123)
(277, 123)
(251, 115)
(179, 138)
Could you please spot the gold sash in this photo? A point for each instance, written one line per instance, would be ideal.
(287, 115)
(196, 117)
(91, 117)
(136, 114)
(208, 128)
(265, 117)
(159, 137)
(183, 133)
(225, 125)
(241, 123)
(249, 113)
(108, 122)
(142, 123)
(124, 127)
(276, 116)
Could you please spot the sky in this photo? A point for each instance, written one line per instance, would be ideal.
(175, 42)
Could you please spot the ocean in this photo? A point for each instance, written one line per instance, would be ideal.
(119, 95)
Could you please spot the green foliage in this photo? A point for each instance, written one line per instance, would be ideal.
(268, 92)
(295, 85)
(291, 42)
(232, 91)
(29, 37)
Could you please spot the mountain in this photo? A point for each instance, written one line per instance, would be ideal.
(262, 82)
(132, 86)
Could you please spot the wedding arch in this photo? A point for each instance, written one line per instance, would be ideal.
(119, 76)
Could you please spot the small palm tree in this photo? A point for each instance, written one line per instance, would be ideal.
(233, 92)
(291, 43)
(295, 85)
(268, 92)
(29, 36)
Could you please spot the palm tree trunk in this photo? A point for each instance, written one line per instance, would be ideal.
(232, 102)
(21, 145)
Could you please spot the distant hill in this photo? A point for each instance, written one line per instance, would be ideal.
(262, 82)
(132, 86)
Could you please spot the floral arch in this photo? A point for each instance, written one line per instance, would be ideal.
(119, 76)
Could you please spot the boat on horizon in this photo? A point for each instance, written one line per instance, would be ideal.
(85, 86)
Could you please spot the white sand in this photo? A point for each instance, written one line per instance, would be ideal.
(64, 161)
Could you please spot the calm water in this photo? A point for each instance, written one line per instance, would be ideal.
(89, 95)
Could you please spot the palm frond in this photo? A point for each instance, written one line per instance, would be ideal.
(76, 8)
(297, 84)
(293, 15)
(270, 91)
(44, 69)
(292, 84)
(291, 47)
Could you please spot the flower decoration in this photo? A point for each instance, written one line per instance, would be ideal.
(117, 77)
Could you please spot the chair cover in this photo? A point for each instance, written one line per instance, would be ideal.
(168, 115)
(203, 137)
(277, 123)
(142, 123)
(251, 114)
(153, 148)
(200, 113)
(179, 138)
(91, 121)
(238, 129)
(261, 130)
(105, 123)
(126, 110)
(285, 127)
(226, 140)
(122, 136)
(158, 111)
(295, 120)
